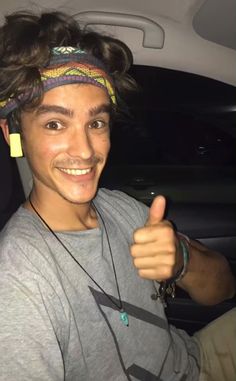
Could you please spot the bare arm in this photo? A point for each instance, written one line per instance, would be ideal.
(208, 279)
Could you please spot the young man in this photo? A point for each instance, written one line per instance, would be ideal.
(77, 264)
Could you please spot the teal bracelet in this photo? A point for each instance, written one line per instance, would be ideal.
(185, 253)
(167, 287)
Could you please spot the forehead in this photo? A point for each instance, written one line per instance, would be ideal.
(76, 95)
(72, 100)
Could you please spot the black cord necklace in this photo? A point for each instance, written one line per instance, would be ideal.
(123, 314)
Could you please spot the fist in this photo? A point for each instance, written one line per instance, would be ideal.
(155, 249)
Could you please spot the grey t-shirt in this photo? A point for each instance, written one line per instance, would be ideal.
(56, 324)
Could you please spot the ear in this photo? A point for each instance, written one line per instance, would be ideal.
(13, 139)
(5, 130)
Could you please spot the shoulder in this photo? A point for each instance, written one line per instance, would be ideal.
(27, 263)
(22, 242)
(21, 226)
(120, 205)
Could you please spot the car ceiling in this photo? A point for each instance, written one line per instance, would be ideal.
(199, 35)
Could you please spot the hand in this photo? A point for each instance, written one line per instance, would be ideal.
(155, 249)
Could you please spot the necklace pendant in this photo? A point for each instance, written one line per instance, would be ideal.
(124, 318)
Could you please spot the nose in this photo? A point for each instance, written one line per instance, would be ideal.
(80, 144)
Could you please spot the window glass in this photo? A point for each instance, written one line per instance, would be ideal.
(176, 118)
(177, 137)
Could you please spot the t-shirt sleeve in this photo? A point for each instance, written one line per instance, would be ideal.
(29, 346)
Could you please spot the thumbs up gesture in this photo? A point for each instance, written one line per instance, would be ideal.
(155, 249)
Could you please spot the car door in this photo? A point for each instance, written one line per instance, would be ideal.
(176, 137)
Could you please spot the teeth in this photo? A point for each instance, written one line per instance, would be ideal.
(76, 172)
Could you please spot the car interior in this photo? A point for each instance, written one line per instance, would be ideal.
(176, 135)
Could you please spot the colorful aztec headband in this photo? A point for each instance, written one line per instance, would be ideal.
(67, 65)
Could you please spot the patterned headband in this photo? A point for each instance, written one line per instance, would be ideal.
(67, 65)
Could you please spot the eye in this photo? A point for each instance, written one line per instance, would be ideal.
(54, 125)
(97, 124)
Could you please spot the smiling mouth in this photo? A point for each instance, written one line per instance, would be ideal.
(76, 172)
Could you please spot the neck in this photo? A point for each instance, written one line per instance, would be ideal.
(62, 215)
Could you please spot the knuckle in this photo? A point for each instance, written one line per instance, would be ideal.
(137, 235)
(170, 261)
(136, 262)
(133, 250)
(167, 272)
(169, 231)
(171, 248)
(141, 273)
(150, 274)
(169, 224)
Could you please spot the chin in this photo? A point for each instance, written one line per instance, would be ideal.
(81, 197)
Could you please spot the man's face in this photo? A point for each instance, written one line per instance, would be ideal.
(66, 141)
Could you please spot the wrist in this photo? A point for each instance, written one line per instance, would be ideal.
(167, 287)
(184, 243)
(184, 248)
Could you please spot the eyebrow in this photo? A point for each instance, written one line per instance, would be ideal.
(103, 108)
(45, 109)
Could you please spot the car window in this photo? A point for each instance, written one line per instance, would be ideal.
(177, 118)
(176, 137)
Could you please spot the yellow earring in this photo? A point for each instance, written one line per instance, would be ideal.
(14, 136)
(15, 145)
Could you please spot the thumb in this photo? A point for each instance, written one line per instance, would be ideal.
(156, 211)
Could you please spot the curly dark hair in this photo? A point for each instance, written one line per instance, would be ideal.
(26, 41)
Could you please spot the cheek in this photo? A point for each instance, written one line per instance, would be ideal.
(42, 150)
(100, 144)
(105, 144)
(52, 149)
